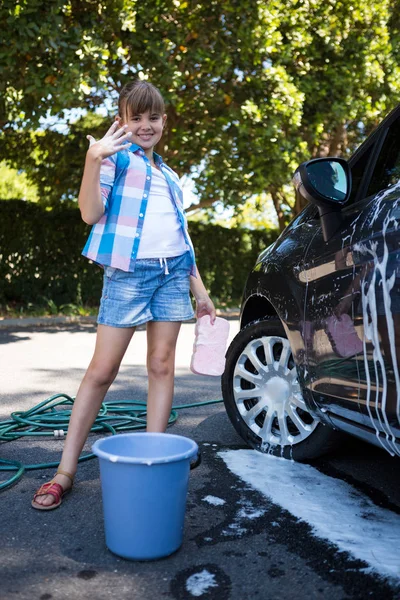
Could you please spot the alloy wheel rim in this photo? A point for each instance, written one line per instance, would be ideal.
(267, 393)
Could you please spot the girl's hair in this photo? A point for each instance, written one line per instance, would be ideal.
(138, 97)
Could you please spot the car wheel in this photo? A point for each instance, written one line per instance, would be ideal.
(263, 397)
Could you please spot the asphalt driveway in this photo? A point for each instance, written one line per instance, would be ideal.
(237, 543)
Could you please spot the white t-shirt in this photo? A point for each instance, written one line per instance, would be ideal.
(162, 235)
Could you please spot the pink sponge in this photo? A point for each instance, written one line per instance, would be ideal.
(209, 347)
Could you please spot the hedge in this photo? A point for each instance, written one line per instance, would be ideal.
(40, 256)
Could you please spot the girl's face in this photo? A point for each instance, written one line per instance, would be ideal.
(146, 129)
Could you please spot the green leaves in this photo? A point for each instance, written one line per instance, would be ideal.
(252, 88)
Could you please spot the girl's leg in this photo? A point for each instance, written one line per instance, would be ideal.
(111, 345)
(161, 343)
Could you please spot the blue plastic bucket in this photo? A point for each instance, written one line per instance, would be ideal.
(144, 480)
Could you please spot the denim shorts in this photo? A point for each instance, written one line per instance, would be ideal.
(158, 290)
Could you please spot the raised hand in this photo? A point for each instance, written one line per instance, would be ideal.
(114, 140)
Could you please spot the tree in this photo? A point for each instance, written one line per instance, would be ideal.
(258, 212)
(56, 55)
(343, 57)
(54, 160)
(253, 88)
(15, 185)
(205, 57)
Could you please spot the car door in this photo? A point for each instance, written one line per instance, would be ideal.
(351, 319)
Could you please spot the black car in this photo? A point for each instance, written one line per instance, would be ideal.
(319, 344)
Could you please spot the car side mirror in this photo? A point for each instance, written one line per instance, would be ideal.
(326, 182)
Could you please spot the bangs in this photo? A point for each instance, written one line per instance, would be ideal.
(140, 97)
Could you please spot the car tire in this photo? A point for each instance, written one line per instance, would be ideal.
(263, 397)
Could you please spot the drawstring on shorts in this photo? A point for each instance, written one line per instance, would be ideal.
(163, 263)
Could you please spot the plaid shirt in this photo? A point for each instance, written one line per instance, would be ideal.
(125, 180)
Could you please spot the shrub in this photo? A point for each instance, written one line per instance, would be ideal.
(41, 261)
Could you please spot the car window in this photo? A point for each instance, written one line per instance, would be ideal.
(358, 171)
(387, 168)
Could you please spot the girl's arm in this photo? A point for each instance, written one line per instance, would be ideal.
(89, 199)
(204, 304)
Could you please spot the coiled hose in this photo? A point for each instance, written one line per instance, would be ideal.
(48, 419)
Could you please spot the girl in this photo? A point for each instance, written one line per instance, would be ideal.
(139, 235)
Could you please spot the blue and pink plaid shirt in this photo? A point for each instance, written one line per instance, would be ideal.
(125, 180)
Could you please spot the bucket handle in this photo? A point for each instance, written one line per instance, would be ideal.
(196, 462)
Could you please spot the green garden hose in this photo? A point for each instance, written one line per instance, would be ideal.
(48, 419)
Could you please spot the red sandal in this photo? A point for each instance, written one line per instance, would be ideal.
(54, 489)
